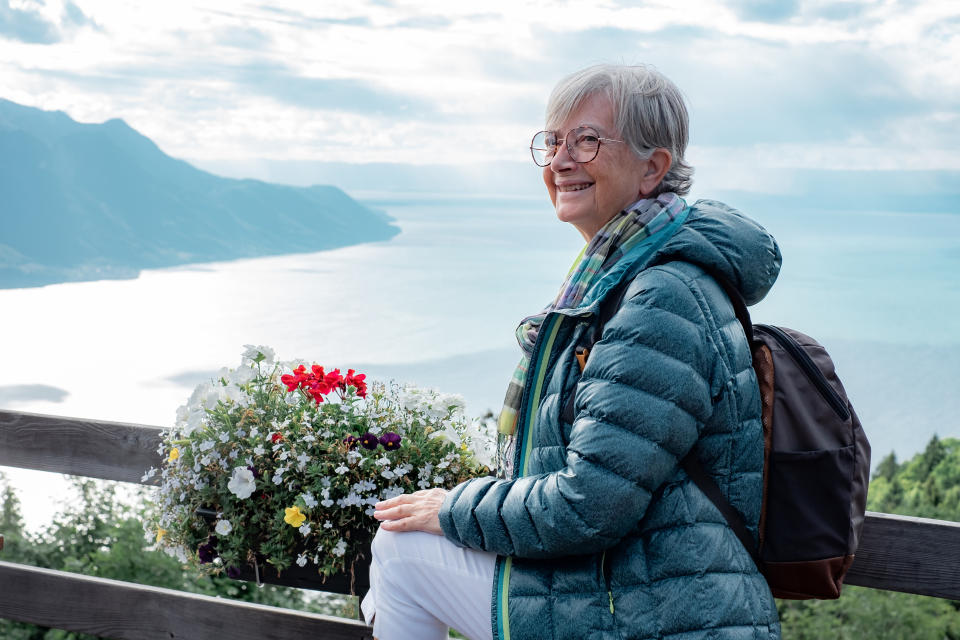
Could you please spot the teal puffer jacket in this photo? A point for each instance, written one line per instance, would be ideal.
(602, 535)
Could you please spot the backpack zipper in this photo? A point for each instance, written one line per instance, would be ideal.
(813, 372)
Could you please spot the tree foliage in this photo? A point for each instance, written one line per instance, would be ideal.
(927, 485)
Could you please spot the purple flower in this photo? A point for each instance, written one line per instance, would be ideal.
(390, 440)
(253, 470)
(352, 441)
(206, 553)
(233, 572)
(369, 441)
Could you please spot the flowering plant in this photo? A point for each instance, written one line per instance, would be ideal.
(288, 460)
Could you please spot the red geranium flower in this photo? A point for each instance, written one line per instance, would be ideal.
(356, 381)
(317, 394)
(296, 380)
(276, 437)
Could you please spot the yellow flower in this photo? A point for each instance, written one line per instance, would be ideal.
(174, 454)
(160, 534)
(294, 516)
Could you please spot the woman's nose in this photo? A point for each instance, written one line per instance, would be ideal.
(561, 159)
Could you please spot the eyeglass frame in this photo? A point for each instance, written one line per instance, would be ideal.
(567, 145)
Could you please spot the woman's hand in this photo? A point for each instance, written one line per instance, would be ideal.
(418, 511)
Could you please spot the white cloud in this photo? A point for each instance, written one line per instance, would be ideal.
(440, 82)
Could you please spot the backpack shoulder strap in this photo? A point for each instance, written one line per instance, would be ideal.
(710, 489)
(690, 463)
(736, 299)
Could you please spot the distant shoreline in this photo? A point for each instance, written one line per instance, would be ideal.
(43, 275)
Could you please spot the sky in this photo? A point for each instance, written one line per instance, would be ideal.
(273, 90)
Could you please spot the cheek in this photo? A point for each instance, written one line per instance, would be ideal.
(548, 182)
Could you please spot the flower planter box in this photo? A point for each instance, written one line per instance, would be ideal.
(354, 581)
(292, 460)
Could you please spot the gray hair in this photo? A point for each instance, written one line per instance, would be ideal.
(648, 109)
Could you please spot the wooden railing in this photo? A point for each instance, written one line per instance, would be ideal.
(111, 608)
(896, 553)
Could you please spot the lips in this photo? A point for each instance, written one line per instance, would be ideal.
(577, 186)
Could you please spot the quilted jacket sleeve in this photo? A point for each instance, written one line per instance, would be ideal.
(642, 399)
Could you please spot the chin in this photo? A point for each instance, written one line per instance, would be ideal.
(570, 215)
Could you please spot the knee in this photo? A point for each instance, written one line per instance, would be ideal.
(384, 545)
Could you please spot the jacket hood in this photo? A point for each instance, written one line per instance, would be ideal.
(720, 238)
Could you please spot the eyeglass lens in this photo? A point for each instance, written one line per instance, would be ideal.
(583, 143)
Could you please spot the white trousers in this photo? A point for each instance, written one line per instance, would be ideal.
(422, 584)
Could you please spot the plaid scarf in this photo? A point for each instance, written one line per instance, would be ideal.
(624, 231)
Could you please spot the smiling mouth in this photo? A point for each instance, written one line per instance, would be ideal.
(574, 187)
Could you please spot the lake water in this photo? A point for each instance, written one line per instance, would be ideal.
(437, 305)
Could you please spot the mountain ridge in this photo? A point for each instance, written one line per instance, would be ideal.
(91, 201)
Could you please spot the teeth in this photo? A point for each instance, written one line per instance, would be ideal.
(575, 187)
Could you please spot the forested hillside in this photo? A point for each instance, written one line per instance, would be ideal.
(93, 201)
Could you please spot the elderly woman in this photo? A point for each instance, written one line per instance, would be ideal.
(596, 530)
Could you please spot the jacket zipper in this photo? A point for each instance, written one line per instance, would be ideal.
(813, 372)
(533, 386)
(522, 435)
(606, 579)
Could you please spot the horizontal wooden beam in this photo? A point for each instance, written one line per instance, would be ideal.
(91, 448)
(912, 555)
(122, 610)
(897, 553)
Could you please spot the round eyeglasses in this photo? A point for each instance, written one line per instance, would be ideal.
(583, 145)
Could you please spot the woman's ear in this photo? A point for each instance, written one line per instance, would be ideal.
(656, 167)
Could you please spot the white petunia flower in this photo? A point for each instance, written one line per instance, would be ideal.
(242, 483)
(251, 352)
(223, 527)
(242, 375)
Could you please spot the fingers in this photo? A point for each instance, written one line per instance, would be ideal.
(412, 511)
(419, 523)
(403, 498)
(393, 513)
